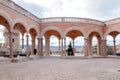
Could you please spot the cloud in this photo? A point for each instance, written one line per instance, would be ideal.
(106, 9)
(33, 8)
(95, 9)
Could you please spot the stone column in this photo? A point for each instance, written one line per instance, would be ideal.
(47, 40)
(89, 43)
(114, 47)
(104, 48)
(27, 45)
(33, 45)
(41, 47)
(73, 44)
(22, 42)
(86, 46)
(38, 51)
(64, 46)
(59, 47)
(99, 48)
(11, 47)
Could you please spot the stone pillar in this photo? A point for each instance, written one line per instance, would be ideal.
(27, 45)
(47, 40)
(90, 51)
(86, 46)
(38, 50)
(22, 42)
(11, 42)
(33, 45)
(114, 47)
(40, 47)
(64, 46)
(73, 44)
(99, 48)
(104, 48)
(59, 47)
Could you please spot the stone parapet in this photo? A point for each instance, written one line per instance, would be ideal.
(113, 21)
(71, 20)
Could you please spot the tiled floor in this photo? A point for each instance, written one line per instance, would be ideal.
(60, 69)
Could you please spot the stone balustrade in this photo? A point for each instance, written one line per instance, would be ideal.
(71, 19)
(113, 21)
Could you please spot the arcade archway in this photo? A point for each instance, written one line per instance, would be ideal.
(98, 45)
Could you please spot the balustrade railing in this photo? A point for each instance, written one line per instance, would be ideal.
(113, 21)
(71, 19)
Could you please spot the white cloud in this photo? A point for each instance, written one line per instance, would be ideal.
(96, 9)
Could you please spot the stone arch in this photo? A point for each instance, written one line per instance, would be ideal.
(33, 32)
(75, 28)
(111, 30)
(98, 35)
(51, 28)
(7, 17)
(94, 30)
(21, 22)
(35, 28)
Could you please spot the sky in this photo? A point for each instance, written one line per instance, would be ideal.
(94, 9)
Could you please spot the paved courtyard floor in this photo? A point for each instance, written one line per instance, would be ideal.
(61, 69)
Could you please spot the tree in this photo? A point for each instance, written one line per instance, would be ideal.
(94, 48)
(70, 50)
(109, 50)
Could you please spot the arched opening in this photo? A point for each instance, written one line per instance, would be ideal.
(27, 43)
(78, 46)
(113, 43)
(52, 42)
(117, 39)
(54, 46)
(33, 34)
(44, 45)
(94, 48)
(109, 45)
(5, 46)
(4, 22)
(77, 41)
(1, 34)
(20, 30)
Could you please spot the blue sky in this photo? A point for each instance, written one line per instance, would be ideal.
(95, 9)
